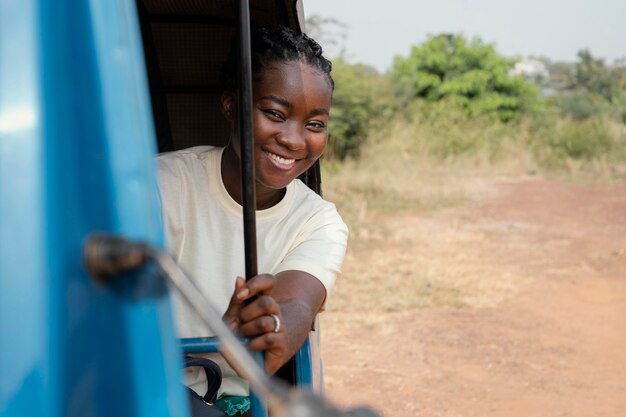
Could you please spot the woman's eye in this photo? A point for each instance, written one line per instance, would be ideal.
(316, 125)
(273, 114)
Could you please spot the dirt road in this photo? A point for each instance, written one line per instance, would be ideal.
(530, 319)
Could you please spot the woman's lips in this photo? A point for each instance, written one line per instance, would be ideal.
(280, 162)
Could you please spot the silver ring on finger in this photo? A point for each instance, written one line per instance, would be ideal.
(276, 322)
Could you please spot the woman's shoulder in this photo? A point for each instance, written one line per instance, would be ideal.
(310, 204)
(304, 193)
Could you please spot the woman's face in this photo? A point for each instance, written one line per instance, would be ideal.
(290, 107)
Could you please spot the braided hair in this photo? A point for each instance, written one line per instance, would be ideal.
(276, 44)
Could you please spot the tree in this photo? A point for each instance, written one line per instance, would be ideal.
(361, 98)
(593, 76)
(561, 74)
(593, 88)
(469, 74)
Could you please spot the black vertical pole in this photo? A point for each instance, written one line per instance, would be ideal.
(246, 138)
(258, 408)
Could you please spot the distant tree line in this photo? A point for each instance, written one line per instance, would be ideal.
(588, 87)
(449, 76)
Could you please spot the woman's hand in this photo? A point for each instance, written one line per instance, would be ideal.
(253, 312)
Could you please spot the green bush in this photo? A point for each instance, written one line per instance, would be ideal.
(581, 105)
(470, 75)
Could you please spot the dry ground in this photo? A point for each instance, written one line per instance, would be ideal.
(512, 305)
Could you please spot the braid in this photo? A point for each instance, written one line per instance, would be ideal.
(277, 44)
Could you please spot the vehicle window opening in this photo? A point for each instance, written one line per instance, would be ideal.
(185, 45)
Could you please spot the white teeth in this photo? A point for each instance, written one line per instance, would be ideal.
(280, 159)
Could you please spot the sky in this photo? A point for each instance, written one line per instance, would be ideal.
(557, 29)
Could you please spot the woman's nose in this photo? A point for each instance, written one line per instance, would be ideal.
(293, 137)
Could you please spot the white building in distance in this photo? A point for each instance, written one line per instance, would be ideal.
(530, 69)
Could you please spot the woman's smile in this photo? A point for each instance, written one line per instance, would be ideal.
(283, 164)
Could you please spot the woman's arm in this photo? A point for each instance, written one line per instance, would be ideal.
(300, 297)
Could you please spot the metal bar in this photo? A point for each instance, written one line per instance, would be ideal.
(199, 344)
(248, 193)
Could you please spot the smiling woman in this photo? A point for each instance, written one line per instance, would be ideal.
(291, 105)
(301, 238)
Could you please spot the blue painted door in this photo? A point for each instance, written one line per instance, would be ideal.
(76, 156)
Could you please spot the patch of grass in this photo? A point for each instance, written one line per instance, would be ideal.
(587, 145)
(401, 171)
(383, 278)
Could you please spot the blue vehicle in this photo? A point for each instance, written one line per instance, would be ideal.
(90, 91)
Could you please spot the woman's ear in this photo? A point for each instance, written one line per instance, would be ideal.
(228, 105)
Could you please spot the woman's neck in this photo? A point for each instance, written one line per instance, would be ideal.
(231, 178)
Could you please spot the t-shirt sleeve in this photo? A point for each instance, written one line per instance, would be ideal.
(321, 247)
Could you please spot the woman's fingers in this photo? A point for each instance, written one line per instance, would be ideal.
(256, 315)
(240, 285)
(275, 347)
(260, 284)
(271, 339)
(250, 301)
(231, 316)
(268, 323)
(268, 341)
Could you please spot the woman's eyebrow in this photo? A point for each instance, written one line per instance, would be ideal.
(320, 112)
(278, 100)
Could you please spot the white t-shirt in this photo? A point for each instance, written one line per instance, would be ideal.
(204, 232)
